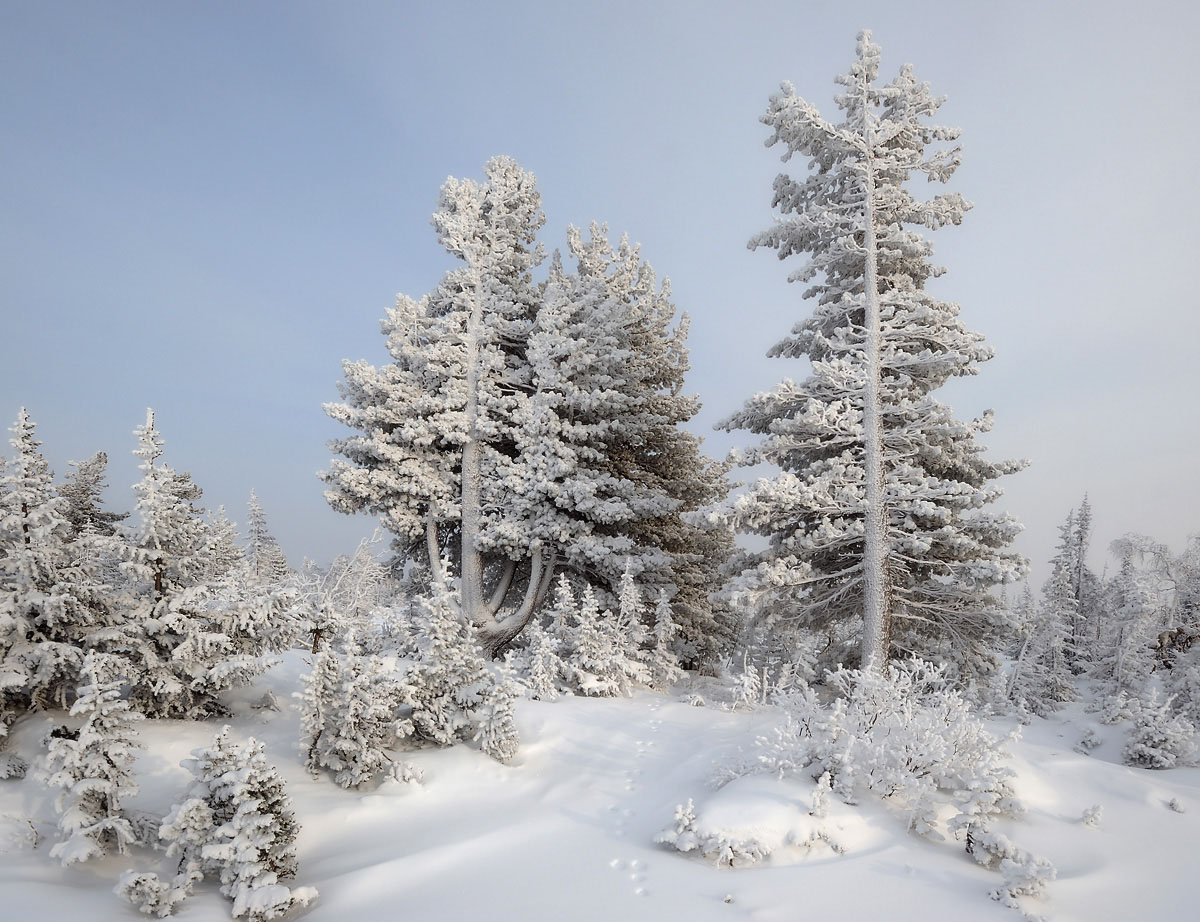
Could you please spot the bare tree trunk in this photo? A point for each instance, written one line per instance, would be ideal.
(502, 587)
(472, 476)
(434, 548)
(547, 580)
(875, 614)
(1018, 667)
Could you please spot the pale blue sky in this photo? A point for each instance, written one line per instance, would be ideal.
(204, 207)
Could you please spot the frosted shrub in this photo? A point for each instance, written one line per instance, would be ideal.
(718, 846)
(1089, 741)
(1117, 708)
(1183, 684)
(902, 734)
(1022, 873)
(1159, 740)
(749, 686)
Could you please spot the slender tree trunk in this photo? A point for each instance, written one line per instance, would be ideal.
(502, 587)
(472, 476)
(433, 548)
(874, 637)
(547, 579)
(1018, 667)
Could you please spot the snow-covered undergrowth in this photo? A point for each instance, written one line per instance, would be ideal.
(902, 735)
(566, 829)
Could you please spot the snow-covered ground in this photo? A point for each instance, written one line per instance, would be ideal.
(566, 832)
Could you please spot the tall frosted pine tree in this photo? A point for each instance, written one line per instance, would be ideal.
(879, 536)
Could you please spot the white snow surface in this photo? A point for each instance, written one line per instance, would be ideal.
(566, 831)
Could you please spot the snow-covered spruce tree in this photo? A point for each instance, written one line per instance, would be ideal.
(544, 669)
(193, 641)
(319, 704)
(1087, 588)
(1077, 592)
(268, 565)
(92, 766)
(235, 822)
(53, 606)
(598, 664)
(96, 543)
(663, 661)
(1027, 670)
(619, 358)
(877, 519)
(450, 689)
(362, 723)
(1125, 621)
(526, 426)
(1042, 679)
(83, 490)
(562, 618)
(630, 629)
(254, 828)
(220, 553)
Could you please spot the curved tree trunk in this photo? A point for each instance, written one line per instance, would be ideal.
(496, 634)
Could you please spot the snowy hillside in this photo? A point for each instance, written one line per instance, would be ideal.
(566, 831)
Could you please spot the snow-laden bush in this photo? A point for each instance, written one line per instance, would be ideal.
(748, 821)
(1182, 683)
(1117, 708)
(1089, 741)
(717, 846)
(236, 822)
(903, 734)
(12, 765)
(749, 686)
(357, 708)
(1159, 739)
(906, 736)
(1022, 873)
